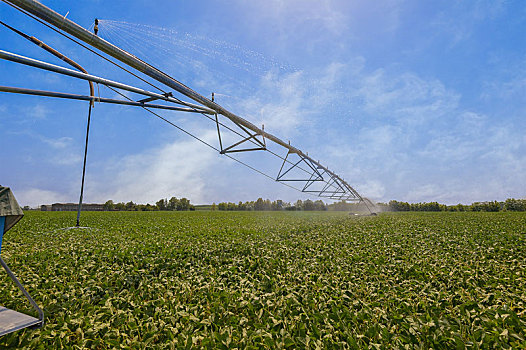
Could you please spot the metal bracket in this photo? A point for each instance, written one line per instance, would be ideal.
(232, 148)
(150, 99)
(333, 188)
(315, 175)
(31, 322)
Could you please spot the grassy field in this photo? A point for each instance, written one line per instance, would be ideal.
(271, 280)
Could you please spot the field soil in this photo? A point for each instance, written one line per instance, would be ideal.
(215, 280)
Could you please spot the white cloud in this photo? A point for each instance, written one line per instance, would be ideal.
(35, 196)
(460, 20)
(289, 104)
(58, 143)
(405, 97)
(410, 139)
(512, 88)
(37, 111)
(181, 168)
(373, 189)
(63, 150)
(297, 12)
(278, 103)
(293, 18)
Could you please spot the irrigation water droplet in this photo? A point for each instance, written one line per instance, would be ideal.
(184, 54)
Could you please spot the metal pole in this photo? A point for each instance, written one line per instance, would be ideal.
(22, 289)
(23, 91)
(68, 26)
(9, 56)
(84, 166)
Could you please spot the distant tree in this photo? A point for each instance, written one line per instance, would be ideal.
(147, 207)
(183, 204)
(130, 206)
(162, 204)
(319, 205)
(249, 205)
(260, 204)
(213, 207)
(458, 207)
(299, 205)
(399, 206)
(109, 206)
(486, 206)
(308, 205)
(172, 203)
(340, 206)
(512, 204)
(120, 206)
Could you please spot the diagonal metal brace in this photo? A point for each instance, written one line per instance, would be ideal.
(229, 148)
(251, 137)
(315, 172)
(150, 99)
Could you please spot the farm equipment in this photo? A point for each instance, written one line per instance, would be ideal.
(10, 320)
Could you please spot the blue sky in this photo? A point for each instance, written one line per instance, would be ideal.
(407, 100)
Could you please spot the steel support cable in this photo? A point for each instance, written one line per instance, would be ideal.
(140, 78)
(11, 89)
(204, 142)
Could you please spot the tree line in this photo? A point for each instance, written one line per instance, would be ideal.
(266, 205)
(510, 204)
(172, 204)
(183, 204)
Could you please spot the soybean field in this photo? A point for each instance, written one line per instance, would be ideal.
(270, 280)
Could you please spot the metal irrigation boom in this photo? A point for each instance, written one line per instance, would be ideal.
(335, 186)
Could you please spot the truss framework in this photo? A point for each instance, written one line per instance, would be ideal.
(332, 186)
(260, 144)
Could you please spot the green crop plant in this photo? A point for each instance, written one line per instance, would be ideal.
(215, 280)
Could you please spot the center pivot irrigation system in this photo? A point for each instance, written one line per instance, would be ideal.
(298, 170)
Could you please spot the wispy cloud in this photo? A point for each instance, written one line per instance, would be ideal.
(177, 169)
(296, 12)
(404, 97)
(34, 197)
(419, 143)
(58, 143)
(460, 20)
(37, 111)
